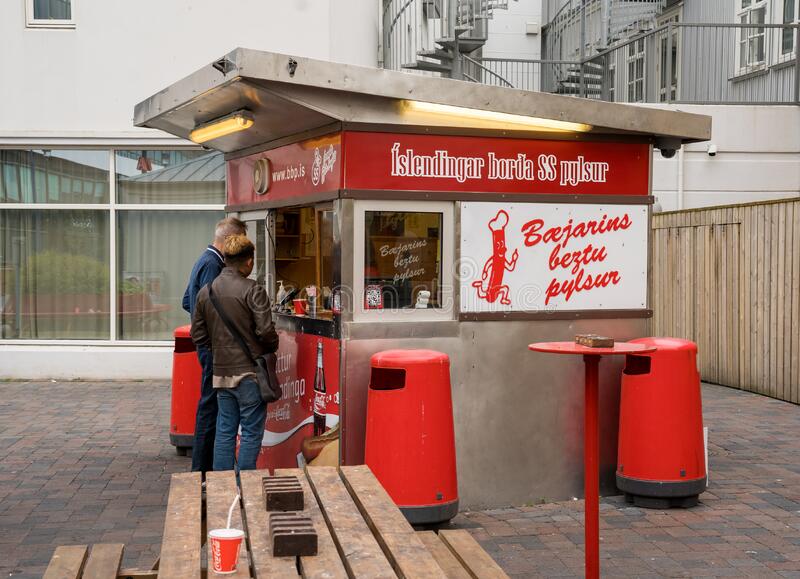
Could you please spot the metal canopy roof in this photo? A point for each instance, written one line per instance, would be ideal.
(293, 95)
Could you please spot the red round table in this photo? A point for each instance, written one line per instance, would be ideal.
(591, 447)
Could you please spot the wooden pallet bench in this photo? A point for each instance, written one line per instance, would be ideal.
(102, 561)
(361, 533)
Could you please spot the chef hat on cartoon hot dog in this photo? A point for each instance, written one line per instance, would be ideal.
(499, 222)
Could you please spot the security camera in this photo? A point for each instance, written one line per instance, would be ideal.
(711, 150)
(668, 146)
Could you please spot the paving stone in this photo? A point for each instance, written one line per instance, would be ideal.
(745, 526)
(66, 450)
(91, 462)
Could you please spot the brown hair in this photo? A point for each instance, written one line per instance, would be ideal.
(227, 227)
(237, 250)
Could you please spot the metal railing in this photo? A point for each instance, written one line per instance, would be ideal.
(679, 63)
(475, 71)
(412, 28)
(578, 27)
(534, 75)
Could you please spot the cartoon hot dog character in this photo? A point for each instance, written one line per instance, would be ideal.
(491, 285)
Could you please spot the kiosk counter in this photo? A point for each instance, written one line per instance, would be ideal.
(417, 212)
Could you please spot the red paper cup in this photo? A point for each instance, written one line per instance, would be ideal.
(300, 307)
(223, 550)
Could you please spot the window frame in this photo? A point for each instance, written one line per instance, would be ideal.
(790, 54)
(111, 208)
(448, 278)
(744, 38)
(32, 22)
(634, 55)
(668, 89)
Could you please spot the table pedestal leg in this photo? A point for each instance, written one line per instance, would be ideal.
(591, 465)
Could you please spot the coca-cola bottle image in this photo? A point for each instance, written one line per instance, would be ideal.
(320, 395)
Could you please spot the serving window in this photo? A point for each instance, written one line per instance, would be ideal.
(403, 260)
(302, 249)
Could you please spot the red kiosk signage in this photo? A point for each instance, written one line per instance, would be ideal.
(404, 162)
(307, 167)
(388, 161)
(290, 420)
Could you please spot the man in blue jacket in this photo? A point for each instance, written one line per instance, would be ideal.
(205, 270)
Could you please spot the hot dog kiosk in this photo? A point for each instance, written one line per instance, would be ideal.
(420, 212)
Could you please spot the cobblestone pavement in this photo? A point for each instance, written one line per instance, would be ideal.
(89, 463)
(83, 463)
(747, 525)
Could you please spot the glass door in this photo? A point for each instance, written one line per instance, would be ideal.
(257, 233)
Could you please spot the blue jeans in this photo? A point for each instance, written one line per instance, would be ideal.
(239, 406)
(205, 425)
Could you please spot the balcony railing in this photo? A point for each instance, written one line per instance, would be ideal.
(676, 63)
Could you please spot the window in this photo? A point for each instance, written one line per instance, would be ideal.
(402, 254)
(303, 253)
(49, 14)
(635, 59)
(752, 39)
(790, 9)
(668, 59)
(159, 177)
(80, 263)
(54, 176)
(611, 83)
(403, 260)
(54, 274)
(156, 252)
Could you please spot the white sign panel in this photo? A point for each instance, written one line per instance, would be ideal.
(534, 257)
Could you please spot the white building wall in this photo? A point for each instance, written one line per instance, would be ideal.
(515, 33)
(508, 36)
(85, 362)
(758, 158)
(84, 82)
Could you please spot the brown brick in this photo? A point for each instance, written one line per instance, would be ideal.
(283, 493)
(292, 534)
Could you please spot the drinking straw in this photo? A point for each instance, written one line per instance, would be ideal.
(230, 511)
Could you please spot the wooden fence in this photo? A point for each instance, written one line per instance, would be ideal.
(728, 278)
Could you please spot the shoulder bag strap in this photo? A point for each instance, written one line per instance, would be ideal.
(228, 324)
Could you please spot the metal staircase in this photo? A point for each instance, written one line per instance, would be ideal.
(582, 28)
(629, 17)
(570, 84)
(593, 25)
(434, 36)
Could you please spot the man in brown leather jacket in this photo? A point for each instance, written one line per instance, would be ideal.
(246, 304)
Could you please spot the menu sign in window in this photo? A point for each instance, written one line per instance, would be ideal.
(402, 257)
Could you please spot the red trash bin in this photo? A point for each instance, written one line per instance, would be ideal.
(186, 382)
(410, 444)
(661, 453)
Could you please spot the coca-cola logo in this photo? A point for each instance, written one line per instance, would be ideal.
(320, 402)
